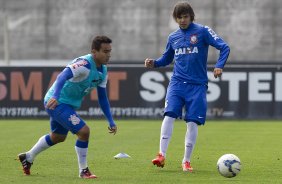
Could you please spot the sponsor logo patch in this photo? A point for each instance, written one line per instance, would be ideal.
(79, 63)
(212, 33)
(186, 50)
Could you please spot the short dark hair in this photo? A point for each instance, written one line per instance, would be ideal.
(182, 8)
(98, 40)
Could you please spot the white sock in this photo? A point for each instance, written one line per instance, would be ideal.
(190, 140)
(166, 132)
(40, 146)
(81, 157)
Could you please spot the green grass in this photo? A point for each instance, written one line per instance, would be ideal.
(257, 144)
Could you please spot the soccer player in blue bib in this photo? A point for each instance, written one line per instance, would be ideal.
(78, 79)
(188, 47)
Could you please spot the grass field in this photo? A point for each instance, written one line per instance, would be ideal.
(257, 144)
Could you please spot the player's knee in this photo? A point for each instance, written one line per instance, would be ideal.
(83, 133)
(57, 138)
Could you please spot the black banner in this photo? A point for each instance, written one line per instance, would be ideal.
(249, 91)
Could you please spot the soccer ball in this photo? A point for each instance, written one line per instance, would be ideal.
(229, 165)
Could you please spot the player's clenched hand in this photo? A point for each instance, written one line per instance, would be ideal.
(112, 130)
(217, 72)
(149, 63)
(52, 103)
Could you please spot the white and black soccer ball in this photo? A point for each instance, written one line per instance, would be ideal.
(229, 165)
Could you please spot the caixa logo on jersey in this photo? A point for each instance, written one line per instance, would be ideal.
(186, 50)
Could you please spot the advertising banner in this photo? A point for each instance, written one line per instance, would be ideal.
(249, 91)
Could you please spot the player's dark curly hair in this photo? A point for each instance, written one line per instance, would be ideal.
(182, 8)
(98, 40)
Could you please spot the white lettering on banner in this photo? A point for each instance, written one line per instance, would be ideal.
(278, 87)
(219, 112)
(168, 75)
(19, 111)
(215, 112)
(154, 90)
(259, 88)
(95, 111)
(234, 79)
(128, 111)
(213, 90)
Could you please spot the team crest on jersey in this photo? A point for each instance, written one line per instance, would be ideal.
(74, 119)
(193, 39)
